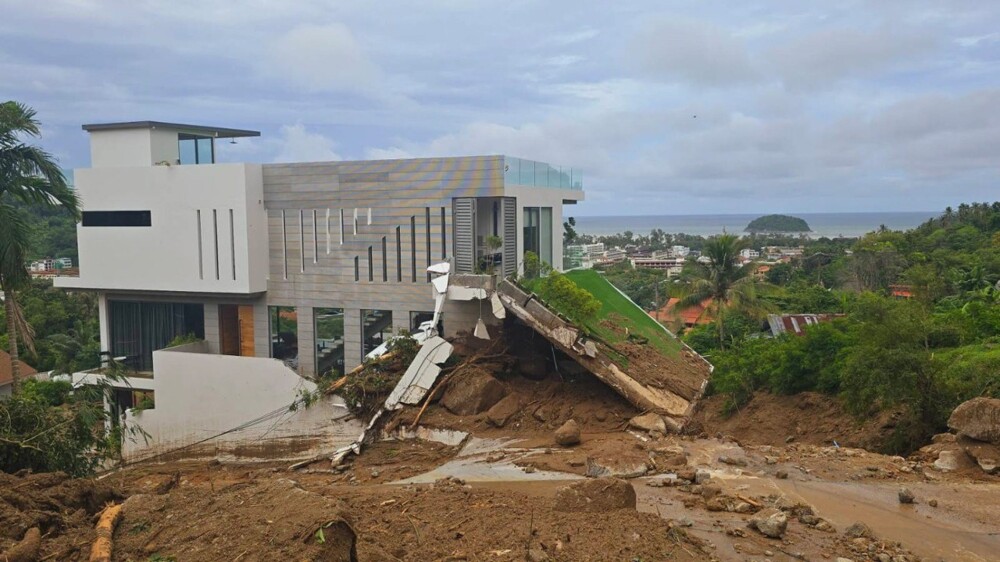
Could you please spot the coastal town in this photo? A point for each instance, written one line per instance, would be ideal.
(518, 282)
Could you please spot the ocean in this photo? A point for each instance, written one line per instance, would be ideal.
(822, 224)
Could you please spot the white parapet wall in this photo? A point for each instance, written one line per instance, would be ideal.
(234, 408)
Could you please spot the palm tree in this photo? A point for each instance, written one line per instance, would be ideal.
(722, 281)
(30, 176)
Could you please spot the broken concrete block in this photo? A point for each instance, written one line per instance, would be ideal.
(648, 422)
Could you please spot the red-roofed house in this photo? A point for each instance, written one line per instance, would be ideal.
(6, 377)
(690, 316)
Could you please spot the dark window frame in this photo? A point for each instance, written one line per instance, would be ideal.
(117, 219)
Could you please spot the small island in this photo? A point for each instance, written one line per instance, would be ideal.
(777, 223)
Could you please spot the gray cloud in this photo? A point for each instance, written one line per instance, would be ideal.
(685, 50)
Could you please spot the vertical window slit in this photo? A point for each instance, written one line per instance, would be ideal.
(284, 247)
(357, 272)
(371, 268)
(413, 248)
(341, 227)
(444, 237)
(201, 257)
(427, 242)
(215, 231)
(385, 265)
(399, 257)
(302, 244)
(232, 243)
(315, 239)
(328, 231)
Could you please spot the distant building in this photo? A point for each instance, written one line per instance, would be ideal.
(795, 324)
(673, 266)
(901, 291)
(681, 251)
(749, 254)
(63, 263)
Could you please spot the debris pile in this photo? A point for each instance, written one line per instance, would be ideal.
(49, 516)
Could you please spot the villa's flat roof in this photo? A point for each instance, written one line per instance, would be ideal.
(196, 129)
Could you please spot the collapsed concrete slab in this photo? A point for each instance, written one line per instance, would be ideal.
(671, 388)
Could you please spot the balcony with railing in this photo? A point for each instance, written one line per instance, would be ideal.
(518, 171)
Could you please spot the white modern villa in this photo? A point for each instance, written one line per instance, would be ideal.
(280, 272)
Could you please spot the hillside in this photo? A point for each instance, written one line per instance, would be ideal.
(778, 223)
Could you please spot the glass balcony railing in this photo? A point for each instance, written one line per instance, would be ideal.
(518, 171)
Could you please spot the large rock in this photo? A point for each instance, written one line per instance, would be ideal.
(569, 434)
(649, 422)
(595, 496)
(533, 367)
(472, 394)
(950, 460)
(978, 418)
(986, 455)
(503, 411)
(770, 522)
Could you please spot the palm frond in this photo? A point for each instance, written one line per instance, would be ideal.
(24, 330)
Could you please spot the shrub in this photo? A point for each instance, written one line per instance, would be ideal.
(577, 303)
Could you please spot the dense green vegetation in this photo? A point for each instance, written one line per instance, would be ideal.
(66, 327)
(923, 354)
(778, 223)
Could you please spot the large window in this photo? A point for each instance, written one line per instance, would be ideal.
(137, 329)
(329, 332)
(376, 329)
(284, 332)
(195, 149)
(537, 230)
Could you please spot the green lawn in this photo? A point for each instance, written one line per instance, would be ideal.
(626, 313)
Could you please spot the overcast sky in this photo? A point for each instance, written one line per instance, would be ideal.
(667, 107)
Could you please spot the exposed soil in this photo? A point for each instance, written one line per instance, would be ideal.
(62, 509)
(808, 417)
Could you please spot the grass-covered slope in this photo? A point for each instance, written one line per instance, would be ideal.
(618, 314)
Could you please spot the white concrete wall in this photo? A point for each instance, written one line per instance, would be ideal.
(199, 395)
(165, 256)
(125, 147)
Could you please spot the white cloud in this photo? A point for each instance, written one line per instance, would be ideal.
(326, 58)
(296, 144)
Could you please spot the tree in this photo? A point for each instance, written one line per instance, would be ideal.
(723, 281)
(30, 176)
(569, 231)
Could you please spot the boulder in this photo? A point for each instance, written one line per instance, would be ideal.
(568, 434)
(986, 455)
(621, 468)
(503, 411)
(905, 495)
(473, 394)
(950, 460)
(978, 418)
(648, 422)
(595, 496)
(859, 530)
(770, 522)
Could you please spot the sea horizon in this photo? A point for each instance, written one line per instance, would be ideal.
(830, 225)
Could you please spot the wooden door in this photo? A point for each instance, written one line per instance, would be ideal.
(229, 331)
(246, 330)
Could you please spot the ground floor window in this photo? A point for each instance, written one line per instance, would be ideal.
(376, 328)
(419, 317)
(284, 332)
(537, 232)
(137, 329)
(329, 332)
